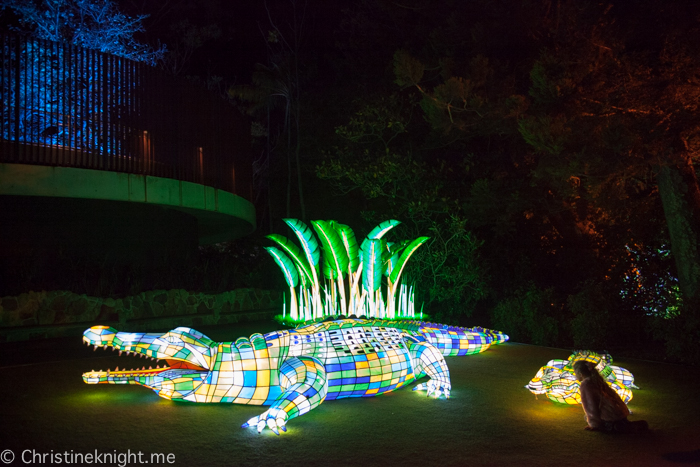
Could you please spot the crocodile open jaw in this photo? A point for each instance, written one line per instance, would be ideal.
(144, 346)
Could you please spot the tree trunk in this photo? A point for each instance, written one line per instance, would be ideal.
(680, 197)
(299, 179)
(289, 160)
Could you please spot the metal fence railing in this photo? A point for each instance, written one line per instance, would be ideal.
(68, 106)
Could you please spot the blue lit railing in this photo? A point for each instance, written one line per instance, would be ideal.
(68, 106)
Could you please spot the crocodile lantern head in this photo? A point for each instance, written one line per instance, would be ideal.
(188, 357)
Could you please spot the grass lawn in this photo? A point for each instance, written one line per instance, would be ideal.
(490, 419)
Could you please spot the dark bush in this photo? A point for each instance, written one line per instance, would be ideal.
(211, 269)
(592, 322)
(530, 316)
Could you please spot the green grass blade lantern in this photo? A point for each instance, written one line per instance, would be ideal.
(336, 276)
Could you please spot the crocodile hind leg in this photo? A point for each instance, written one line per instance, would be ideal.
(427, 360)
(304, 387)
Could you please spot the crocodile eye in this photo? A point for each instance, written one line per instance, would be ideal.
(172, 340)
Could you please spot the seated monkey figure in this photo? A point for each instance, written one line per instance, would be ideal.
(605, 410)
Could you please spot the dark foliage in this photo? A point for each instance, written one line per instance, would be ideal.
(212, 269)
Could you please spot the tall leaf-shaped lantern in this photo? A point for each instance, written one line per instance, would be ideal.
(291, 275)
(372, 273)
(390, 259)
(395, 275)
(335, 258)
(313, 254)
(347, 236)
(379, 231)
(375, 234)
(304, 270)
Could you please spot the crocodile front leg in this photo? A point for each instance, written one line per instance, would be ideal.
(304, 387)
(427, 360)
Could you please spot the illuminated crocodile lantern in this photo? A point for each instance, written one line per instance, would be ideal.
(293, 371)
(558, 382)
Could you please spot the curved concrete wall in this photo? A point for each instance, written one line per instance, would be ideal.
(219, 215)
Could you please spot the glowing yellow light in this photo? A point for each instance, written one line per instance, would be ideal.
(558, 382)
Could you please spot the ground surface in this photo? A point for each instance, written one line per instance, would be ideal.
(489, 420)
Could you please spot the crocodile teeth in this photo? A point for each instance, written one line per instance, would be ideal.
(150, 367)
(116, 369)
(120, 353)
(94, 348)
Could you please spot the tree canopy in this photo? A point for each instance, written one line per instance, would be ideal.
(561, 134)
(93, 24)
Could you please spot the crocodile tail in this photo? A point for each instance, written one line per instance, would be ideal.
(453, 341)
